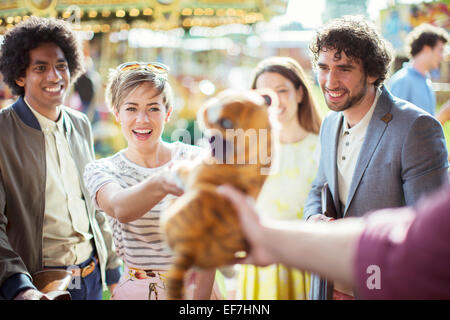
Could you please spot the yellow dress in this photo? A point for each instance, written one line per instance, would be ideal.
(282, 198)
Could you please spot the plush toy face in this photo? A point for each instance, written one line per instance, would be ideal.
(238, 126)
(201, 227)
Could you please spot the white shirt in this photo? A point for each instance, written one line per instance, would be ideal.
(139, 243)
(349, 146)
(66, 234)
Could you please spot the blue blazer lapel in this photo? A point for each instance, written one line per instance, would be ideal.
(377, 126)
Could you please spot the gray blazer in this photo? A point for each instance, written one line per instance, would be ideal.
(403, 158)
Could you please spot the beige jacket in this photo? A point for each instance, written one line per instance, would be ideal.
(22, 202)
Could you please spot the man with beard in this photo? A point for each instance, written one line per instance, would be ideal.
(377, 151)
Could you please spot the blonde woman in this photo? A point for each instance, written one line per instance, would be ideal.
(132, 186)
(283, 195)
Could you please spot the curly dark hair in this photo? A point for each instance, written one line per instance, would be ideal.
(359, 40)
(28, 35)
(424, 35)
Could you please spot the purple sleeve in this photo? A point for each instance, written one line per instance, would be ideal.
(405, 253)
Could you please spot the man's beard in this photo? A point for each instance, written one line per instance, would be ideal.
(353, 100)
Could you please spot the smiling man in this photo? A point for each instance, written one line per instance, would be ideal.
(377, 151)
(47, 220)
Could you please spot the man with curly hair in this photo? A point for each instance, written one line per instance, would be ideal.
(425, 45)
(377, 151)
(47, 220)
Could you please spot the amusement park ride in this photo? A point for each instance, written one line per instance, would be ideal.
(116, 15)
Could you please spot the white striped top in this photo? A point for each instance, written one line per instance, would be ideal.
(138, 243)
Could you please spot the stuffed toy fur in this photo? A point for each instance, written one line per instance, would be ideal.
(201, 227)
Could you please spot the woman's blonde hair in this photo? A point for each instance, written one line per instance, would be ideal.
(121, 83)
(307, 112)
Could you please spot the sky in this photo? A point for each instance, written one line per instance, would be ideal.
(309, 12)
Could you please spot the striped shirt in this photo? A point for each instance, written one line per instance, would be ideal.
(138, 243)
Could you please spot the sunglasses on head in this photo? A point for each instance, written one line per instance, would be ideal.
(152, 66)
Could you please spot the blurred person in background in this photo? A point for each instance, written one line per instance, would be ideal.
(425, 45)
(84, 87)
(6, 96)
(297, 124)
(132, 186)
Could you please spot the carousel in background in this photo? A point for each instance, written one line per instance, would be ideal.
(207, 44)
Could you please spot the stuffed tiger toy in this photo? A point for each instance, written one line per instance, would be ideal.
(201, 227)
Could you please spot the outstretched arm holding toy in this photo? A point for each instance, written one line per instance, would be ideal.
(327, 249)
(383, 244)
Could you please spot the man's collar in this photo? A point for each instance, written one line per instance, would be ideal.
(25, 114)
(364, 122)
(45, 123)
(28, 117)
(416, 71)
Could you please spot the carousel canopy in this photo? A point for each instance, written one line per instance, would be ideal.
(113, 15)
